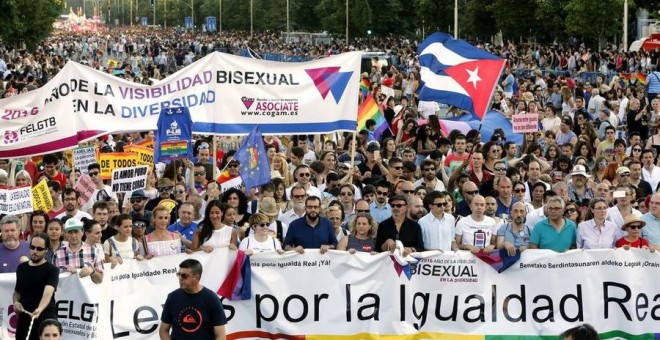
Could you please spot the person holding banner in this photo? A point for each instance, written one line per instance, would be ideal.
(122, 246)
(78, 257)
(161, 242)
(36, 282)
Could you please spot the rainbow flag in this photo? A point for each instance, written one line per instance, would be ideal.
(641, 78)
(369, 110)
(364, 87)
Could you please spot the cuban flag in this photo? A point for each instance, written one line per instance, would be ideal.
(457, 73)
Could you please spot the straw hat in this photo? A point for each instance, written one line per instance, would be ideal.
(630, 219)
(268, 207)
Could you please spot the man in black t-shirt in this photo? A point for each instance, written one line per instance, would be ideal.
(36, 282)
(193, 311)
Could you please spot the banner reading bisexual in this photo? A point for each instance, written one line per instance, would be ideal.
(225, 94)
(339, 295)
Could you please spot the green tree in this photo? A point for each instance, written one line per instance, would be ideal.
(27, 21)
(550, 14)
(476, 13)
(595, 20)
(515, 19)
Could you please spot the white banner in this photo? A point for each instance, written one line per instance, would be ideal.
(226, 94)
(338, 295)
(129, 179)
(83, 157)
(15, 200)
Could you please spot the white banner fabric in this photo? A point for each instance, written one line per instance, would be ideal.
(226, 94)
(338, 296)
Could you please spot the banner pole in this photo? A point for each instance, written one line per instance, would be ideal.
(353, 146)
(214, 157)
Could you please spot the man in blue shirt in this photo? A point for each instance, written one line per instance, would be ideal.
(311, 230)
(554, 232)
(185, 226)
(652, 218)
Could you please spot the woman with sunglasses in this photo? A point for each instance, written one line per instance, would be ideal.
(138, 233)
(633, 225)
(259, 239)
(635, 153)
(572, 212)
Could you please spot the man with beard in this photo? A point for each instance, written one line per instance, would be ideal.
(514, 236)
(77, 256)
(298, 196)
(36, 282)
(71, 204)
(380, 209)
(491, 211)
(138, 208)
(13, 251)
(398, 230)
(429, 178)
(416, 210)
(311, 231)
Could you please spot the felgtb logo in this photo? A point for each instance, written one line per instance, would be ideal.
(10, 137)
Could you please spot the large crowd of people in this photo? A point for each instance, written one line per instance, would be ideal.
(588, 179)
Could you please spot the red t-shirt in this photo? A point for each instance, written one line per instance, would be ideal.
(640, 242)
(60, 178)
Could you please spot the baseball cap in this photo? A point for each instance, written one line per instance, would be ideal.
(72, 224)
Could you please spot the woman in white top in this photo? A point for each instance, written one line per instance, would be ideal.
(551, 121)
(259, 239)
(161, 242)
(93, 235)
(122, 246)
(213, 233)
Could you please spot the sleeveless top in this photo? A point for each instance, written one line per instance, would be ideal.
(220, 237)
(367, 245)
(167, 247)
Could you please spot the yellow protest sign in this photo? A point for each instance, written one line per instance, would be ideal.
(145, 156)
(147, 143)
(41, 199)
(116, 160)
(68, 159)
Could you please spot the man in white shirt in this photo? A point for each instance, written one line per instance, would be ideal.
(437, 227)
(429, 178)
(101, 192)
(477, 231)
(303, 175)
(617, 214)
(650, 172)
(298, 196)
(71, 205)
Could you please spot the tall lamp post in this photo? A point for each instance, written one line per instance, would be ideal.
(625, 26)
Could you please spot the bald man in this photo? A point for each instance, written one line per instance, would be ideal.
(468, 191)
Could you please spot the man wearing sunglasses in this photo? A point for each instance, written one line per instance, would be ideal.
(192, 311)
(102, 192)
(138, 207)
(36, 282)
(437, 227)
(303, 176)
(380, 209)
(399, 230)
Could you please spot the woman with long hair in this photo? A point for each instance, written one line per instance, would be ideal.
(406, 135)
(387, 149)
(122, 246)
(610, 174)
(424, 143)
(280, 195)
(37, 224)
(567, 102)
(362, 237)
(635, 153)
(282, 166)
(92, 230)
(237, 200)
(551, 153)
(55, 232)
(599, 169)
(212, 233)
(583, 150)
(162, 242)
